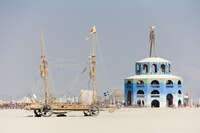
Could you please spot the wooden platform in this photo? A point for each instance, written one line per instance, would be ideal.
(59, 106)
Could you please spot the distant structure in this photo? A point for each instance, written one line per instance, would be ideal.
(153, 85)
(186, 100)
(116, 97)
(85, 97)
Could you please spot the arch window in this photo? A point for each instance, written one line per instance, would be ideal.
(163, 68)
(169, 84)
(145, 68)
(179, 83)
(155, 84)
(154, 68)
(179, 92)
(169, 68)
(155, 93)
(129, 84)
(140, 83)
(140, 92)
(138, 68)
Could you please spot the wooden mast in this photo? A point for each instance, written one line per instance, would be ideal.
(92, 65)
(44, 68)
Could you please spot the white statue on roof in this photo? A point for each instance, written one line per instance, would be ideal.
(152, 39)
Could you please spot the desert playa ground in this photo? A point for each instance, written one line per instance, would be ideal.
(133, 120)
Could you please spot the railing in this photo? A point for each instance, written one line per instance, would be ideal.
(155, 95)
(141, 95)
(169, 86)
(179, 86)
(140, 86)
(155, 86)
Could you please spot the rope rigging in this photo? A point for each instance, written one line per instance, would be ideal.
(62, 63)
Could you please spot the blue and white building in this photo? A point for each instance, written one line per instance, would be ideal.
(153, 85)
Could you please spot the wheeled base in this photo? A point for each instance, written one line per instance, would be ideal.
(46, 110)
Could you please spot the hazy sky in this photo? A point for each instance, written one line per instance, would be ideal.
(123, 31)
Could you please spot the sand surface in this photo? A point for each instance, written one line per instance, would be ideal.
(141, 120)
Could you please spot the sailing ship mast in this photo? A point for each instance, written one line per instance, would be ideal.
(44, 68)
(93, 69)
(92, 62)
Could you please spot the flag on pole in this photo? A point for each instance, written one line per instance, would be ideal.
(108, 92)
(92, 32)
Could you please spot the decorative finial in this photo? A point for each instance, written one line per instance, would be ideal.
(152, 39)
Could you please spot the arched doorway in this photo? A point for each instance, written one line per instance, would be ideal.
(169, 100)
(129, 99)
(140, 103)
(155, 104)
(179, 103)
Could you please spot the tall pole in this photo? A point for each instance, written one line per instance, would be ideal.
(93, 69)
(44, 68)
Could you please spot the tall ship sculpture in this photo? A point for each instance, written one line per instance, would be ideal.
(50, 107)
(153, 84)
